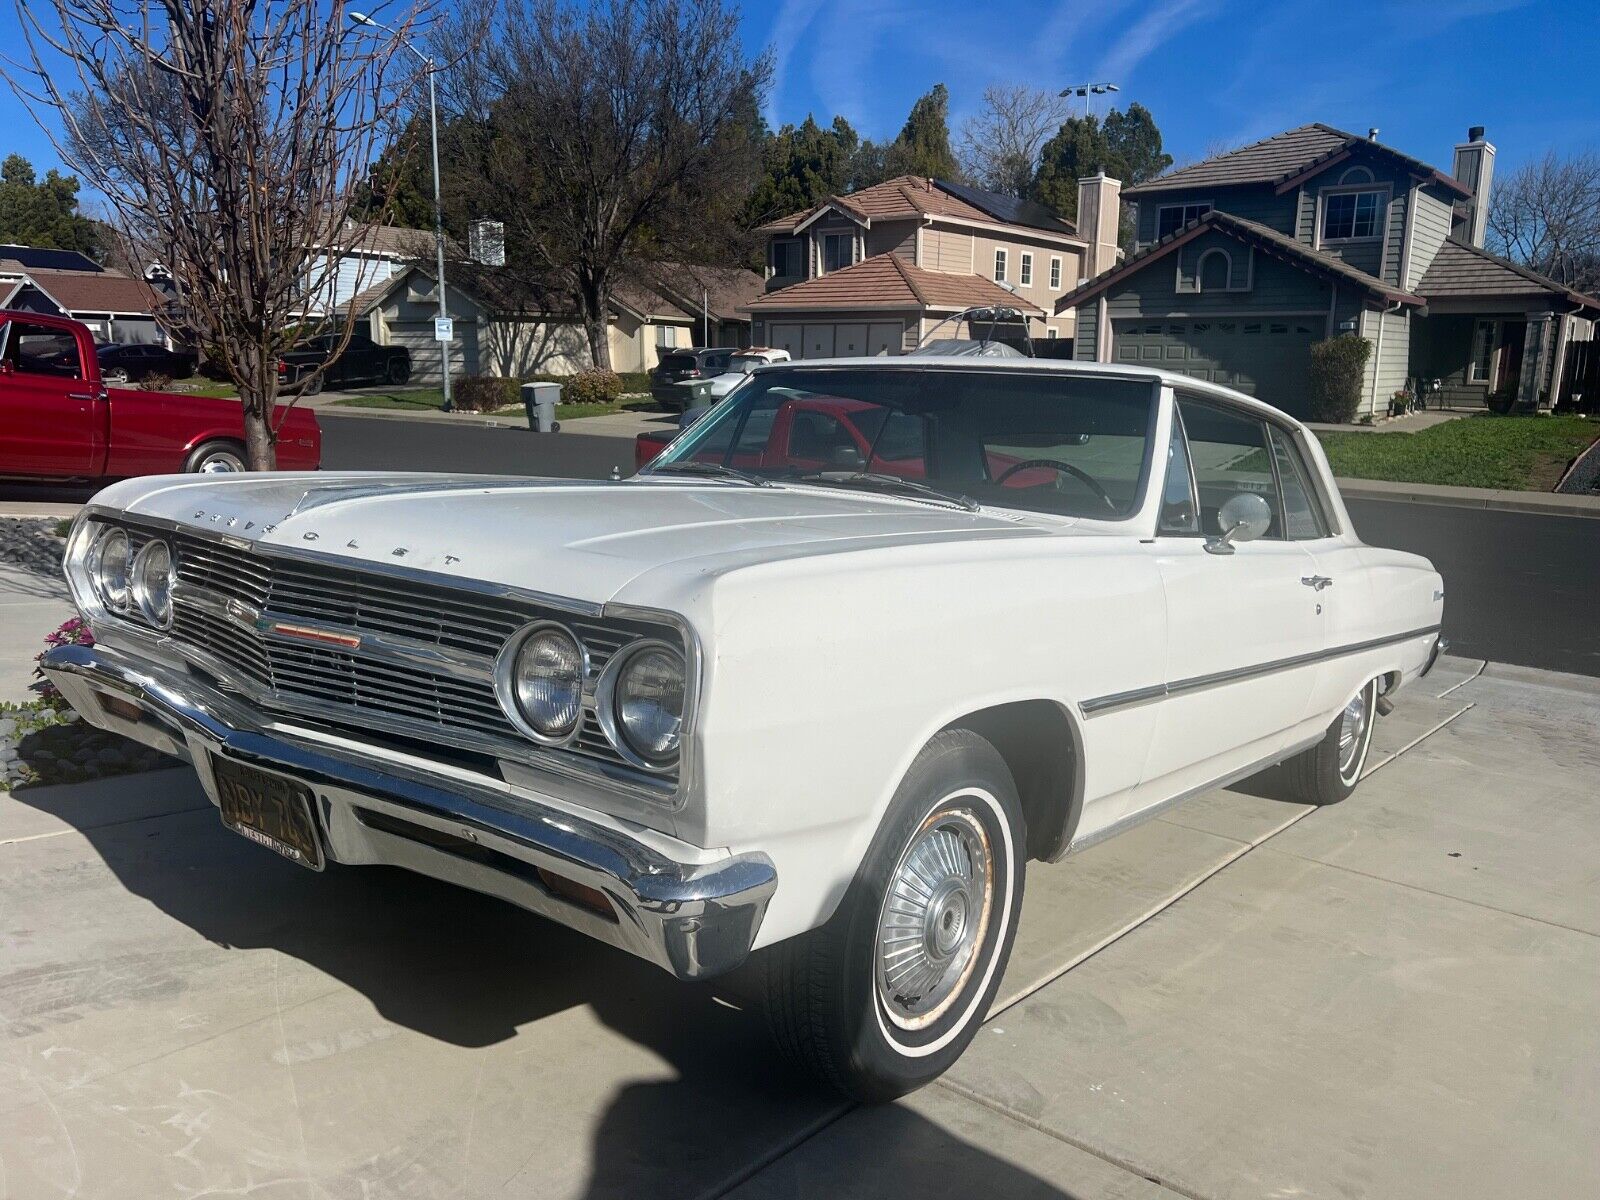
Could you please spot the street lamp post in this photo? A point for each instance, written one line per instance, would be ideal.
(1087, 92)
(438, 207)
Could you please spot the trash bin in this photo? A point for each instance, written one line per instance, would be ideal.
(540, 401)
(700, 394)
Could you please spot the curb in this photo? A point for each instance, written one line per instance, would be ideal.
(395, 414)
(1543, 503)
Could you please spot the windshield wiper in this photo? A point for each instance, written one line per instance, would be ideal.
(709, 469)
(874, 481)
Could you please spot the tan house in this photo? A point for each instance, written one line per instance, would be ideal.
(874, 271)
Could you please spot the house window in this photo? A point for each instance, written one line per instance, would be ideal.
(1055, 274)
(999, 266)
(1172, 217)
(1214, 271)
(1050, 333)
(1347, 215)
(666, 337)
(838, 251)
(1025, 270)
(783, 257)
(1482, 353)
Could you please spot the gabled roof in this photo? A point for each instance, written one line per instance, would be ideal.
(1282, 159)
(1460, 271)
(1270, 241)
(722, 290)
(918, 196)
(96, 291)
(889, 282)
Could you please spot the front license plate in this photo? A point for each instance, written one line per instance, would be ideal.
(270, 810)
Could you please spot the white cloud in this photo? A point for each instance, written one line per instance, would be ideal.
(1147, 34)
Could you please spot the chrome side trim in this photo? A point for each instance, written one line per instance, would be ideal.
(1100, 705)
(1155, 810)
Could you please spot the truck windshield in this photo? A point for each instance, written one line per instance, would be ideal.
(1068, 444)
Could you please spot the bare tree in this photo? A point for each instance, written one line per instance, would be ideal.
(622, 131)
(1000, 145)
(228, 136)
(1546, 215)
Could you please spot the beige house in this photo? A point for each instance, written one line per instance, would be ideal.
(874, 271)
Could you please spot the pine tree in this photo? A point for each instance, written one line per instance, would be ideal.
(43, 214)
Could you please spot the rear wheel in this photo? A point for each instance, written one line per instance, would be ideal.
(399, 370)
(884, 997)
(216, 458)
(1330, 770)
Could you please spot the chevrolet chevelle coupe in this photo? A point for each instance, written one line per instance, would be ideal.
(811, 690)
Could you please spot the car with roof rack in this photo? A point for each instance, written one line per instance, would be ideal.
(806, 699)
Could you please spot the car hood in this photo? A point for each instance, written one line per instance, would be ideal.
(576, 539)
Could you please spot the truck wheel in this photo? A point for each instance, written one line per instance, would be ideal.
(886, 995)
(215, 458)
(399, 371)
(314, 387)
(1330, 770)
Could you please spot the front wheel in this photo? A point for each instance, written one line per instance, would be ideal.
(884, 997)
(1329, 771)
(216, 458)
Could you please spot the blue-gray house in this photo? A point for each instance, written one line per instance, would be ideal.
(1242, 261)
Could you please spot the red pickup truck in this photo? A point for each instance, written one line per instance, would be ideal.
(58, 420)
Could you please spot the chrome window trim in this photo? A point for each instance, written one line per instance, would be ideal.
(649, 786)
(1100, 705)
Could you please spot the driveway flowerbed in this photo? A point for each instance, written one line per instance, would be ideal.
(1522, 453)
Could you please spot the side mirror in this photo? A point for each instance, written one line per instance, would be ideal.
(1244, 517)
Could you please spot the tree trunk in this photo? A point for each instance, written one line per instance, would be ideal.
(258, 393)
(592, 302)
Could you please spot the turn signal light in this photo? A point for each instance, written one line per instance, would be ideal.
(577, 893)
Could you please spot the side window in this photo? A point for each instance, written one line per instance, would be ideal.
(817, 437)
(1301, 513)
(1229, 454)
(40, 350)
(1178, 515)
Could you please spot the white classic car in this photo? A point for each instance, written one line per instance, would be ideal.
(819, 683)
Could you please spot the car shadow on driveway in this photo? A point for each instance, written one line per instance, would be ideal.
(625, 1081)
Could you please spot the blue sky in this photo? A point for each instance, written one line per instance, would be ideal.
(1213, 72)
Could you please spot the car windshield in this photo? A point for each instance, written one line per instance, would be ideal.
(1052, 442)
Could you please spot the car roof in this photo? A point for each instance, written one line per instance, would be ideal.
(1173, 379)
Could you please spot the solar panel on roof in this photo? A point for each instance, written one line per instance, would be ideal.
(39, 258)
(1009, 209)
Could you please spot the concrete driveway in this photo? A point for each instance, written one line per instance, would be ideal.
(1394, 997)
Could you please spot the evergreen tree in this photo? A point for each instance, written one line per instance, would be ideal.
(43, 214)
(1126, 147)
(923, 147)
(801, 165)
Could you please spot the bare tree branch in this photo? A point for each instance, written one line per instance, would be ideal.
(1000, 146)
(1546, 215)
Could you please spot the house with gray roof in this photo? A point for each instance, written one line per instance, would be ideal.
(1241, 262)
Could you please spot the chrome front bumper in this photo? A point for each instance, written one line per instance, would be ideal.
(694, 919)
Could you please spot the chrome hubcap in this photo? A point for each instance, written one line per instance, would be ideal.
(933, 919)
(1352, 732)
(221, 464)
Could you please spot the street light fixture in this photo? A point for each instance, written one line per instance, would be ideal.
(438, 208)
(1088, 90)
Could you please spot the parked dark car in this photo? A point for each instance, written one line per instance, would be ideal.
(127, 362)
(363, 361)
(669, 382)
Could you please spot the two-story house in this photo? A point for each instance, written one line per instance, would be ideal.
(1244, 260)
(873, 271)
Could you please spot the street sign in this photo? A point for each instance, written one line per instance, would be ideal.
(444, 329)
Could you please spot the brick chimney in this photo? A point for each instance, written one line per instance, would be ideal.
(1474, 167)
(1099, 211)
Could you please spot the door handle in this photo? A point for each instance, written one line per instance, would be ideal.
(1316, 582)
(80, 396)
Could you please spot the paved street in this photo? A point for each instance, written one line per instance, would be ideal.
(1392, 997)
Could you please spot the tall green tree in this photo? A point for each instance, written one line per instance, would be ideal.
(34, 213)
(801, 165)
(398, 186)
(923, 147)
(1126, 147)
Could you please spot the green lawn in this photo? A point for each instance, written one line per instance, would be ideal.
(1520, 453)
(431, 399)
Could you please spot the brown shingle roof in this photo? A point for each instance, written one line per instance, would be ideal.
(1462, 271)
(1280, 157)
(725, 290)
(1270, 240)
(888, 282)
(97, 291)
(903, 196)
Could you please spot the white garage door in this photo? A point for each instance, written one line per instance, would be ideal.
(839, 339)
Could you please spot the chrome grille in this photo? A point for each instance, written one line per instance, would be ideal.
(228, 597)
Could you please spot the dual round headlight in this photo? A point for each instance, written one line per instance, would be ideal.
(639, 698)
(125, 580)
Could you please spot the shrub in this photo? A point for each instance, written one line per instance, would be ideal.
(1337, 368)
(592, 387)
(484, 393)
(73, 632)
(156, 382)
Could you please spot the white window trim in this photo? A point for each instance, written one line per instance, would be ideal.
(1193, 288)
(822, 250)
(1051, 333)
(1055, 273)
(1357, 175)
(1494, 349)
(1200, 270)
(1207, 205)
(1024, 269)
(1386, 195)
(1002, 264)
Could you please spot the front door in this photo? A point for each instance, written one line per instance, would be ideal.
(1512, 336)
(49, 413)
(1243, 636)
